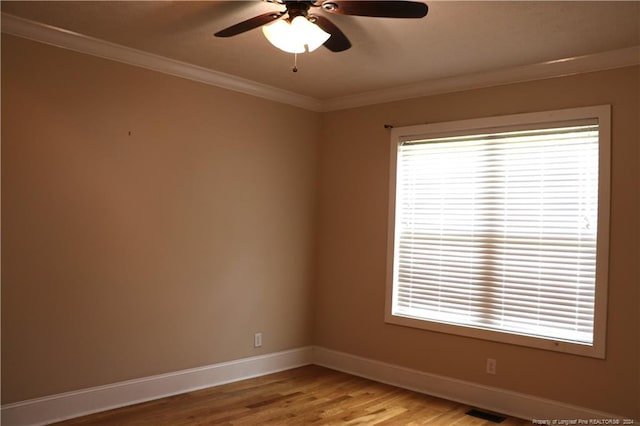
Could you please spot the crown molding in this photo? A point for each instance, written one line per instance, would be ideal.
(558, 68)
(66, 39)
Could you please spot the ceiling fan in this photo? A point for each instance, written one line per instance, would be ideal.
(301, 30)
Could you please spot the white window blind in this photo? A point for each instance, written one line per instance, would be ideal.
(498, 231)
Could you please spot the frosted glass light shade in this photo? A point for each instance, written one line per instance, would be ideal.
(293, 37)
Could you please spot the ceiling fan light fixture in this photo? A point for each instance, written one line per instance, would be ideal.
(311, 35)
(293, 37)
(279, 34)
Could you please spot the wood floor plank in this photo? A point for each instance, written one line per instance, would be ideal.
(310, 395)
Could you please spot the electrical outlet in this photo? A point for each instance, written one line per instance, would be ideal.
(257, 340)
(491, 366)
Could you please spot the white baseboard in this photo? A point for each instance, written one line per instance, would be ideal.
(67, 405)
(41, 411)
(485, 397)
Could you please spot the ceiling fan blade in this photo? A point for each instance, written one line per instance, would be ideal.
(380, 9)
(249, 24)
(338, 42)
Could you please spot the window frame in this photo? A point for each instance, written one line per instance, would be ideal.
(498, 123)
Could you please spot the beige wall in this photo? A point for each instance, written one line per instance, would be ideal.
(354, 167)
(127, 255)
(130, 255)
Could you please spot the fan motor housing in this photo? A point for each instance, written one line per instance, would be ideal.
(297, 8)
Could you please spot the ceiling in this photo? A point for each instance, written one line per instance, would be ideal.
(455, 39)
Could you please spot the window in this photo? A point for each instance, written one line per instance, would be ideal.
(499, 229)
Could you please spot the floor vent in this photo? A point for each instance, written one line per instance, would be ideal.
(486, 416)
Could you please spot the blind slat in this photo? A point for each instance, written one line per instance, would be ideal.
(498, 231)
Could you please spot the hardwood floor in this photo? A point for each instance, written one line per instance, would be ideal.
(310, 395)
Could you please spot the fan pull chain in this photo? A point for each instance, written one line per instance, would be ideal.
(295, 62)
